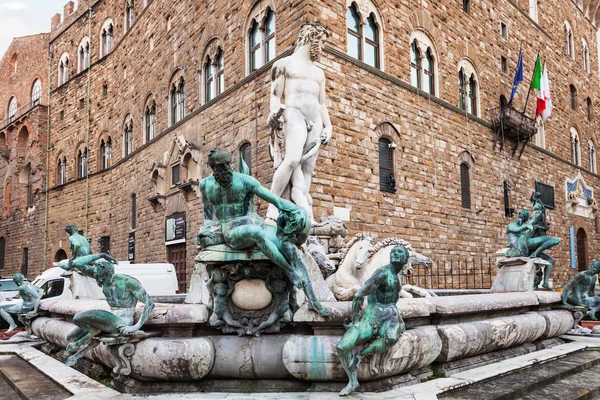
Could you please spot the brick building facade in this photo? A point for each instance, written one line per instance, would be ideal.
(23, 130)
(150, 106)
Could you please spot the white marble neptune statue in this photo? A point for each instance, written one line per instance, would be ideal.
(298, 118)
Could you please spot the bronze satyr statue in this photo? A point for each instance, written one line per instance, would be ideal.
(122, 294)
(82, 259)
(579, 291)
(229, 196)
(31, 296)
(378, 326)
(527, 238)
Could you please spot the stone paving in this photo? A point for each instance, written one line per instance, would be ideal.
(82, 387)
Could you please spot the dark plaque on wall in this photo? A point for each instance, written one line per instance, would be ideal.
(175, 229)
(131, 247)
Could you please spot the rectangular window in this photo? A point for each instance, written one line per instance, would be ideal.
(504, 30)
(104, 90)
(504, 63)
(81, 104)
(133, 212)
(546, 193)
(104, 244)
(175, 174)
(466, 6)
(29, 195)
(62, 115)
(25, 261)
(508, 210)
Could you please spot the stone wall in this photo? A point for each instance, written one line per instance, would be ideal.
(431, 133)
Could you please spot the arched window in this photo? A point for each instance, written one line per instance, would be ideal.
(106, 153)
(585, 53)
(363, 38)
(575, 147)
(63, 69)
(590, 113)
(84, 54)
(569, 46)
(106, 38)
(129, 15)
(62, 171)
(468, 87)
(150, 120)
(261, 41)
(246, 153)
(573, 92)
(533, 10)
(177, 95)
(214, 77)
(36, 92)
(387, 181)
(592, 155)
(465, 185)
(12, 109)
(423, 65)
(582, 264)
(128, 136)
(82, 163)
(60, 255)
(25, 180)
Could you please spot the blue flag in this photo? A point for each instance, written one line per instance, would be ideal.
(518, 77)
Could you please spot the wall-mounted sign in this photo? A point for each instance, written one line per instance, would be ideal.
(175, 229)
(131, 247)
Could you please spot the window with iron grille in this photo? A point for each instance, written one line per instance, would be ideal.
(246, 153)
(465, 185)
(387, 182)
(508, 210)
(133, 211)
(546, 193)
(104, 244)
(175, 174)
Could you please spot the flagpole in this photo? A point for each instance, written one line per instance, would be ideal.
(529, 91)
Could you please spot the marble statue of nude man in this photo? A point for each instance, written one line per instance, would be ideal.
(298, 117)
(31, 296)
(122, 294)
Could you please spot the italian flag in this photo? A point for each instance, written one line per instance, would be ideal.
(541, 83)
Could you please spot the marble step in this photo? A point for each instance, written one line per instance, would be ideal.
(20, 380)
(580, 386)
(528, 382)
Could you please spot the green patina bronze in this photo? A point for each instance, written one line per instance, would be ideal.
(579, 291)
(122, 294)
(527, 238)
(82, 258)
(230, 218)
(31, 296)
(378, 326)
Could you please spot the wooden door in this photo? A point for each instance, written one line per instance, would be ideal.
(177, 256)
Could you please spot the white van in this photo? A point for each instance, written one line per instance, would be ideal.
(158, 279)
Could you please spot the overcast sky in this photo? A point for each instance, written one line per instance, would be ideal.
(26, 17)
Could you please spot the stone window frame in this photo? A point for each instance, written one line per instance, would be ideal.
(61, 169)
(105, 157)
(424, 43)
(585, 55)
(216, 82)
(592, 156)
(35, 96)
(176, 104)
(540, 137)
(128, 136)
(569, 42)
(388, 132)
(470, 76)
(82, 167)
(128, 15)
(13, 62)
(533, 10)
(11, 109)
(259, 14)
(63, 69)
(575, 147)
(83, 54)
(149, 107)
(365, 10)
(107, 45)
(466, 182)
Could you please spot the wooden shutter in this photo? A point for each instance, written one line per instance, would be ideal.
(465, 185)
